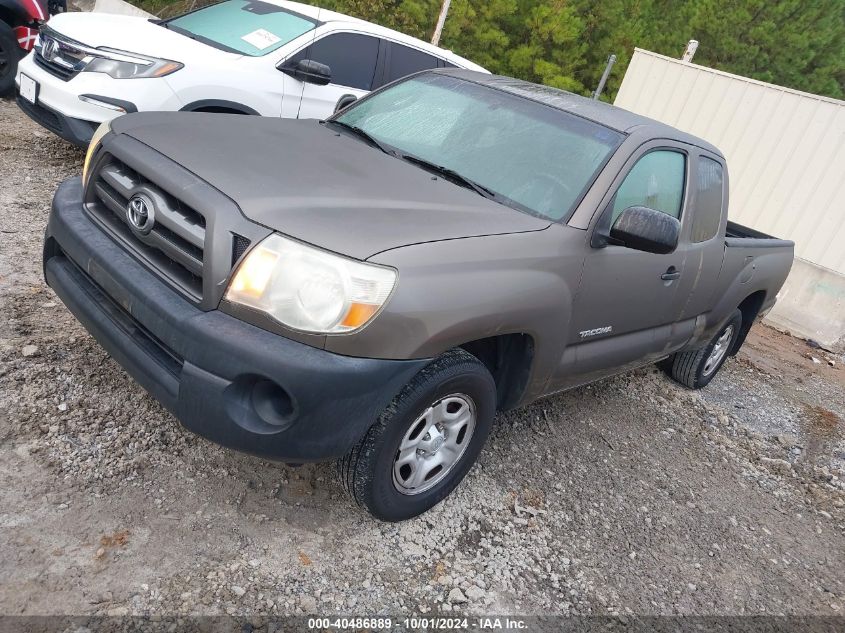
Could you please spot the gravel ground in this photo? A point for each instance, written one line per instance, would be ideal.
(630, 496)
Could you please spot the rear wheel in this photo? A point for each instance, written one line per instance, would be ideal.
(425, 442)
(10, 52)
(696, 368)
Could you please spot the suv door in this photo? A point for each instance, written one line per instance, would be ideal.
(354, 61)
(627, 310)
(403, 61)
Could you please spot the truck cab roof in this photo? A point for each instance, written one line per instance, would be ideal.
(598, 111)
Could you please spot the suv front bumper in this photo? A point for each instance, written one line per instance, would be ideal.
(74, 131)
(60, 109)
(227, 380)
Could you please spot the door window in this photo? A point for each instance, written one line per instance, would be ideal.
(405, 61)
(656, 181)
(352, 58)
(708, 200)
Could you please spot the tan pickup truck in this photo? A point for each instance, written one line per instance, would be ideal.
(373, 288)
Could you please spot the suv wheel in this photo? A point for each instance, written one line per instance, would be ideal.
(9, 54)
(696, 368)
(426, 440)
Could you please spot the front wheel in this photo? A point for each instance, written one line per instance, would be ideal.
(10, 52)
(425, 442)
(696, 368)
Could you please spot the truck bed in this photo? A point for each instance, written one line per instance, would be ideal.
(754, 261)
(739, 235)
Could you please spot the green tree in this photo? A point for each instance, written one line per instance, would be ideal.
(793, 43)
(565, 43)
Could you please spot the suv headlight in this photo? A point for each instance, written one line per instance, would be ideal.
(308, 289)
(98, 135)
(121, 65)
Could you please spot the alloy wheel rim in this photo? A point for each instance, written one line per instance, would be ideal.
(433, 444)
(720, 350)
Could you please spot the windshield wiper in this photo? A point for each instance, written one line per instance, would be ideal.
(366, 136)
(197, 38)
(452, 175)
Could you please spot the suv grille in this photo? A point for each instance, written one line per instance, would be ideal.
(173, 246)
(59, 56)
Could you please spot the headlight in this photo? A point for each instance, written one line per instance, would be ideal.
(99, 133)
(122, 65)
(308, 289)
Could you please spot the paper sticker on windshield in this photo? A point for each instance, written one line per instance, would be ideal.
(261, 39)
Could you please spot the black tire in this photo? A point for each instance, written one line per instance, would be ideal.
(367, 471)
(691, 368)
(10, 53)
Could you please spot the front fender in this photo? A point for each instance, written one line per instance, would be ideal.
(453, 292)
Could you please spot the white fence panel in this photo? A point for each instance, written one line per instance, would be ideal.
(785, 148)
(786, 158)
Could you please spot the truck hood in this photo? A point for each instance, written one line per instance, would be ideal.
(134, 35)
(306, 180)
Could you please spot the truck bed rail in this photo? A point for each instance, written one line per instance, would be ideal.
(739, 235)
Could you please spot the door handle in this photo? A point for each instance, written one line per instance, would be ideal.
(671, 275)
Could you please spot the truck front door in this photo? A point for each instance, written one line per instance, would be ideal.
(628, 308)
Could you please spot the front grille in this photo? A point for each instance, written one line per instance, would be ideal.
(43, 116)
(60, 56)
(55, 69)
(174, 247)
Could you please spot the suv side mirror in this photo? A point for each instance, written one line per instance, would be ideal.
(645, 229)
(309, 71)
(344, 102)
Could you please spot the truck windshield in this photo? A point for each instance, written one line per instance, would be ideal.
(248, 27)
(532, 157)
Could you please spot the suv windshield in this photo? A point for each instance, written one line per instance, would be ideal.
(528, 155)
(252, 28)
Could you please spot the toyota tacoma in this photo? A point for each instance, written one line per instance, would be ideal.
(372, 288)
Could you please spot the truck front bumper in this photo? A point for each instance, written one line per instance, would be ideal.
(227, 380)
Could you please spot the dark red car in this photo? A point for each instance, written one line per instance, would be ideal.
(19, 22)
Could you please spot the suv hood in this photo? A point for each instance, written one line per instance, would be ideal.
(133, 35)
(304, 179)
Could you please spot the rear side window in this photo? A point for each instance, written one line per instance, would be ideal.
(352, 58)
(656, 181)
(708, 200)
(406, 61)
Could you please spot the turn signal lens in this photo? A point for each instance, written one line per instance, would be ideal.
(358, 314)
(166, 69)
(98, 135)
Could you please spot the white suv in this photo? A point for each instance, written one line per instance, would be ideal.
(267, 57)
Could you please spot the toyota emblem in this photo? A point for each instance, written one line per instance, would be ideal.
(140, 214)
(49, 50)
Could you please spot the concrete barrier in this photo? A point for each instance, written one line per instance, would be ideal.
(812, 305)
(119, 7)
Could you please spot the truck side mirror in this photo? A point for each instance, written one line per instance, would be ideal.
(309, 71)
(344, 102)
(645, 229)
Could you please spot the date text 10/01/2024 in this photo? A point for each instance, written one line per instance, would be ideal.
(442, 624)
